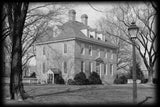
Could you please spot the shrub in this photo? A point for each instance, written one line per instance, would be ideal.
(71, 82)
(120, 80)
(94, 78)
(155, 81)
(80, 79)
(144, 80)
(139, 72)
(59, 79)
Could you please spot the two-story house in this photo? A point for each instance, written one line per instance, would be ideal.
(76, 48)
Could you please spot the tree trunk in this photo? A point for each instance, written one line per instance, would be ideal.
(16, 86)
(150, 77)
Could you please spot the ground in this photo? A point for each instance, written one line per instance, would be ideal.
(86, 94)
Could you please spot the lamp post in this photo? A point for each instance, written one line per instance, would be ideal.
(133, 31)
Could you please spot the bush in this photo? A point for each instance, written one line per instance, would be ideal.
(120, 80)
(59, 80)
(144, 80)
(80, 79)
(139, 72)
(94, 78)
(155, 81)
(71, 82)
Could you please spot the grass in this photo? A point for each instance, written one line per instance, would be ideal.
(91, 94)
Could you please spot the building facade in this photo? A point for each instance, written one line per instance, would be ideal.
(77, 48)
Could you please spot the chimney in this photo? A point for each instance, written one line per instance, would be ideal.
(84, 19)
(72, 15)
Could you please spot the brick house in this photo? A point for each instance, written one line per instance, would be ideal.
(76, 48)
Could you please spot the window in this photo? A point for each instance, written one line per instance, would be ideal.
(91, 36)
(105, 69)
(44, 51)
(65, 48)
(82, 66)
(44, 67)
(106, 54)
(90, 50)
(111, 55)
(82, 50)
(111, 69)
(65, 66)
(98, 67)
(90, 67)
(99, 52)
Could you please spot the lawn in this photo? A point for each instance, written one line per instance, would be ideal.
(91, 94)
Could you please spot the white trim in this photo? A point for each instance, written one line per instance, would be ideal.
(91, 67)
(106, 67)
(100, 69)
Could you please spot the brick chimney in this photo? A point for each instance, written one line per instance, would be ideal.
(84, 19)
(72, 15)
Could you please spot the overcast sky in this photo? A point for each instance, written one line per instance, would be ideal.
(93, 15)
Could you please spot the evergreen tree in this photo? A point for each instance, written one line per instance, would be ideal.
(138, 72)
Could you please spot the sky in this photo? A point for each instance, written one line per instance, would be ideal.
(93, 15)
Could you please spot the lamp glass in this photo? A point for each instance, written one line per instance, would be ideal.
(133, 33)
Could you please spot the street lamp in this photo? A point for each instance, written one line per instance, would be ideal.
(133, 31)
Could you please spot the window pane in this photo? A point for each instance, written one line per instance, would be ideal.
(65, 48)
(90, 50)
(65, 67)
(44, 51)
(111, 69)
(43, 67)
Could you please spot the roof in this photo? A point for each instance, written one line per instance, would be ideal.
(55, 70)
(72, 30)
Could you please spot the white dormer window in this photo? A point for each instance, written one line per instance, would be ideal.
(84, 31)
(92, 34)
(99, 36)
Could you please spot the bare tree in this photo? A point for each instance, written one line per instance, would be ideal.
(16, 14)
(145, 16)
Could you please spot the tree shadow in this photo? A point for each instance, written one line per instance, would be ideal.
(68, 90)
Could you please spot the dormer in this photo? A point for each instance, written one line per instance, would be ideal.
(85, 32)
(92, 34)
(99, 36)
